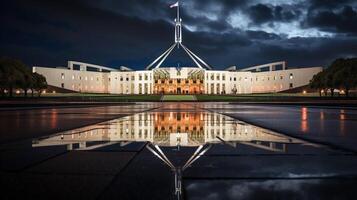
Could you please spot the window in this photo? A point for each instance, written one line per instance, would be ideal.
(234, 78)
(291, 85)
(291, 76)
(133, 78)
(86, 78)
(62, 85)
(278, 67)
(218, 77)
(223, 77)
(62, 76)
(76, 67)
(72, 77)
(146, 77)
(140, 78)
(281, 77)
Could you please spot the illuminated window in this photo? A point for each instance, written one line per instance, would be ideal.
(291, 76)
(62, 76)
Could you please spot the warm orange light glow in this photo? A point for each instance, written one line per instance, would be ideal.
(17, 91)
(304, 92)
(53, 92)
(342, 115)
(178, 86)
(304, 122)
(177, 123)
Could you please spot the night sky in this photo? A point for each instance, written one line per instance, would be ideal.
(134, 32)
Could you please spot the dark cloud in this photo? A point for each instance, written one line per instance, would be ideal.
(133, 33)
(343, 20)
(261, 13)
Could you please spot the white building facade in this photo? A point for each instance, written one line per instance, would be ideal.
(89, 78)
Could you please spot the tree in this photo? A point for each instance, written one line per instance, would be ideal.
(26, 80)
(11, 76)
(345, 76)
(40, 83)
(317, 82)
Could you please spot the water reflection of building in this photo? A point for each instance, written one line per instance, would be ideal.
(168, 129)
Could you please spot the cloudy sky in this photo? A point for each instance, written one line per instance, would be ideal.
(222, 32)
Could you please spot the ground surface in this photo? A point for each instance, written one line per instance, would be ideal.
(280, 98)
(323, 167)
(178, 98)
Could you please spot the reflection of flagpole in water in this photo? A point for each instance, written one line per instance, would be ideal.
(177, 170)
(196, 156)
(161, 157)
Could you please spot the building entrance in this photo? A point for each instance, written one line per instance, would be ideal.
(178, 86)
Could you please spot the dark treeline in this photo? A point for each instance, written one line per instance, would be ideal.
(14, 75)
(341, 75)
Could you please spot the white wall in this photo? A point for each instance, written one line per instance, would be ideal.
(80, 81)
(276, 81)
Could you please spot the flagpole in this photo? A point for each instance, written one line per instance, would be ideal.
(178, 10)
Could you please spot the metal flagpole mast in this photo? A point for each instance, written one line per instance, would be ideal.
(178, 10)
(178, 20)
(178, 42)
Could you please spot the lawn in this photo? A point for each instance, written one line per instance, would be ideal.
(257, 97)
(101, 97)
(179, 98)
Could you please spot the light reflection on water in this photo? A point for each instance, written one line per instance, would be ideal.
(304, 120)
(170, 129)
(197, 130)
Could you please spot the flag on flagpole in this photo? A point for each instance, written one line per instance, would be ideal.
(174, 5)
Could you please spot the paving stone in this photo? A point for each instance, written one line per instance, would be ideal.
(85, 162)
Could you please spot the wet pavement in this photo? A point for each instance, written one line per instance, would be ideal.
(181, 151)
(335, 126)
